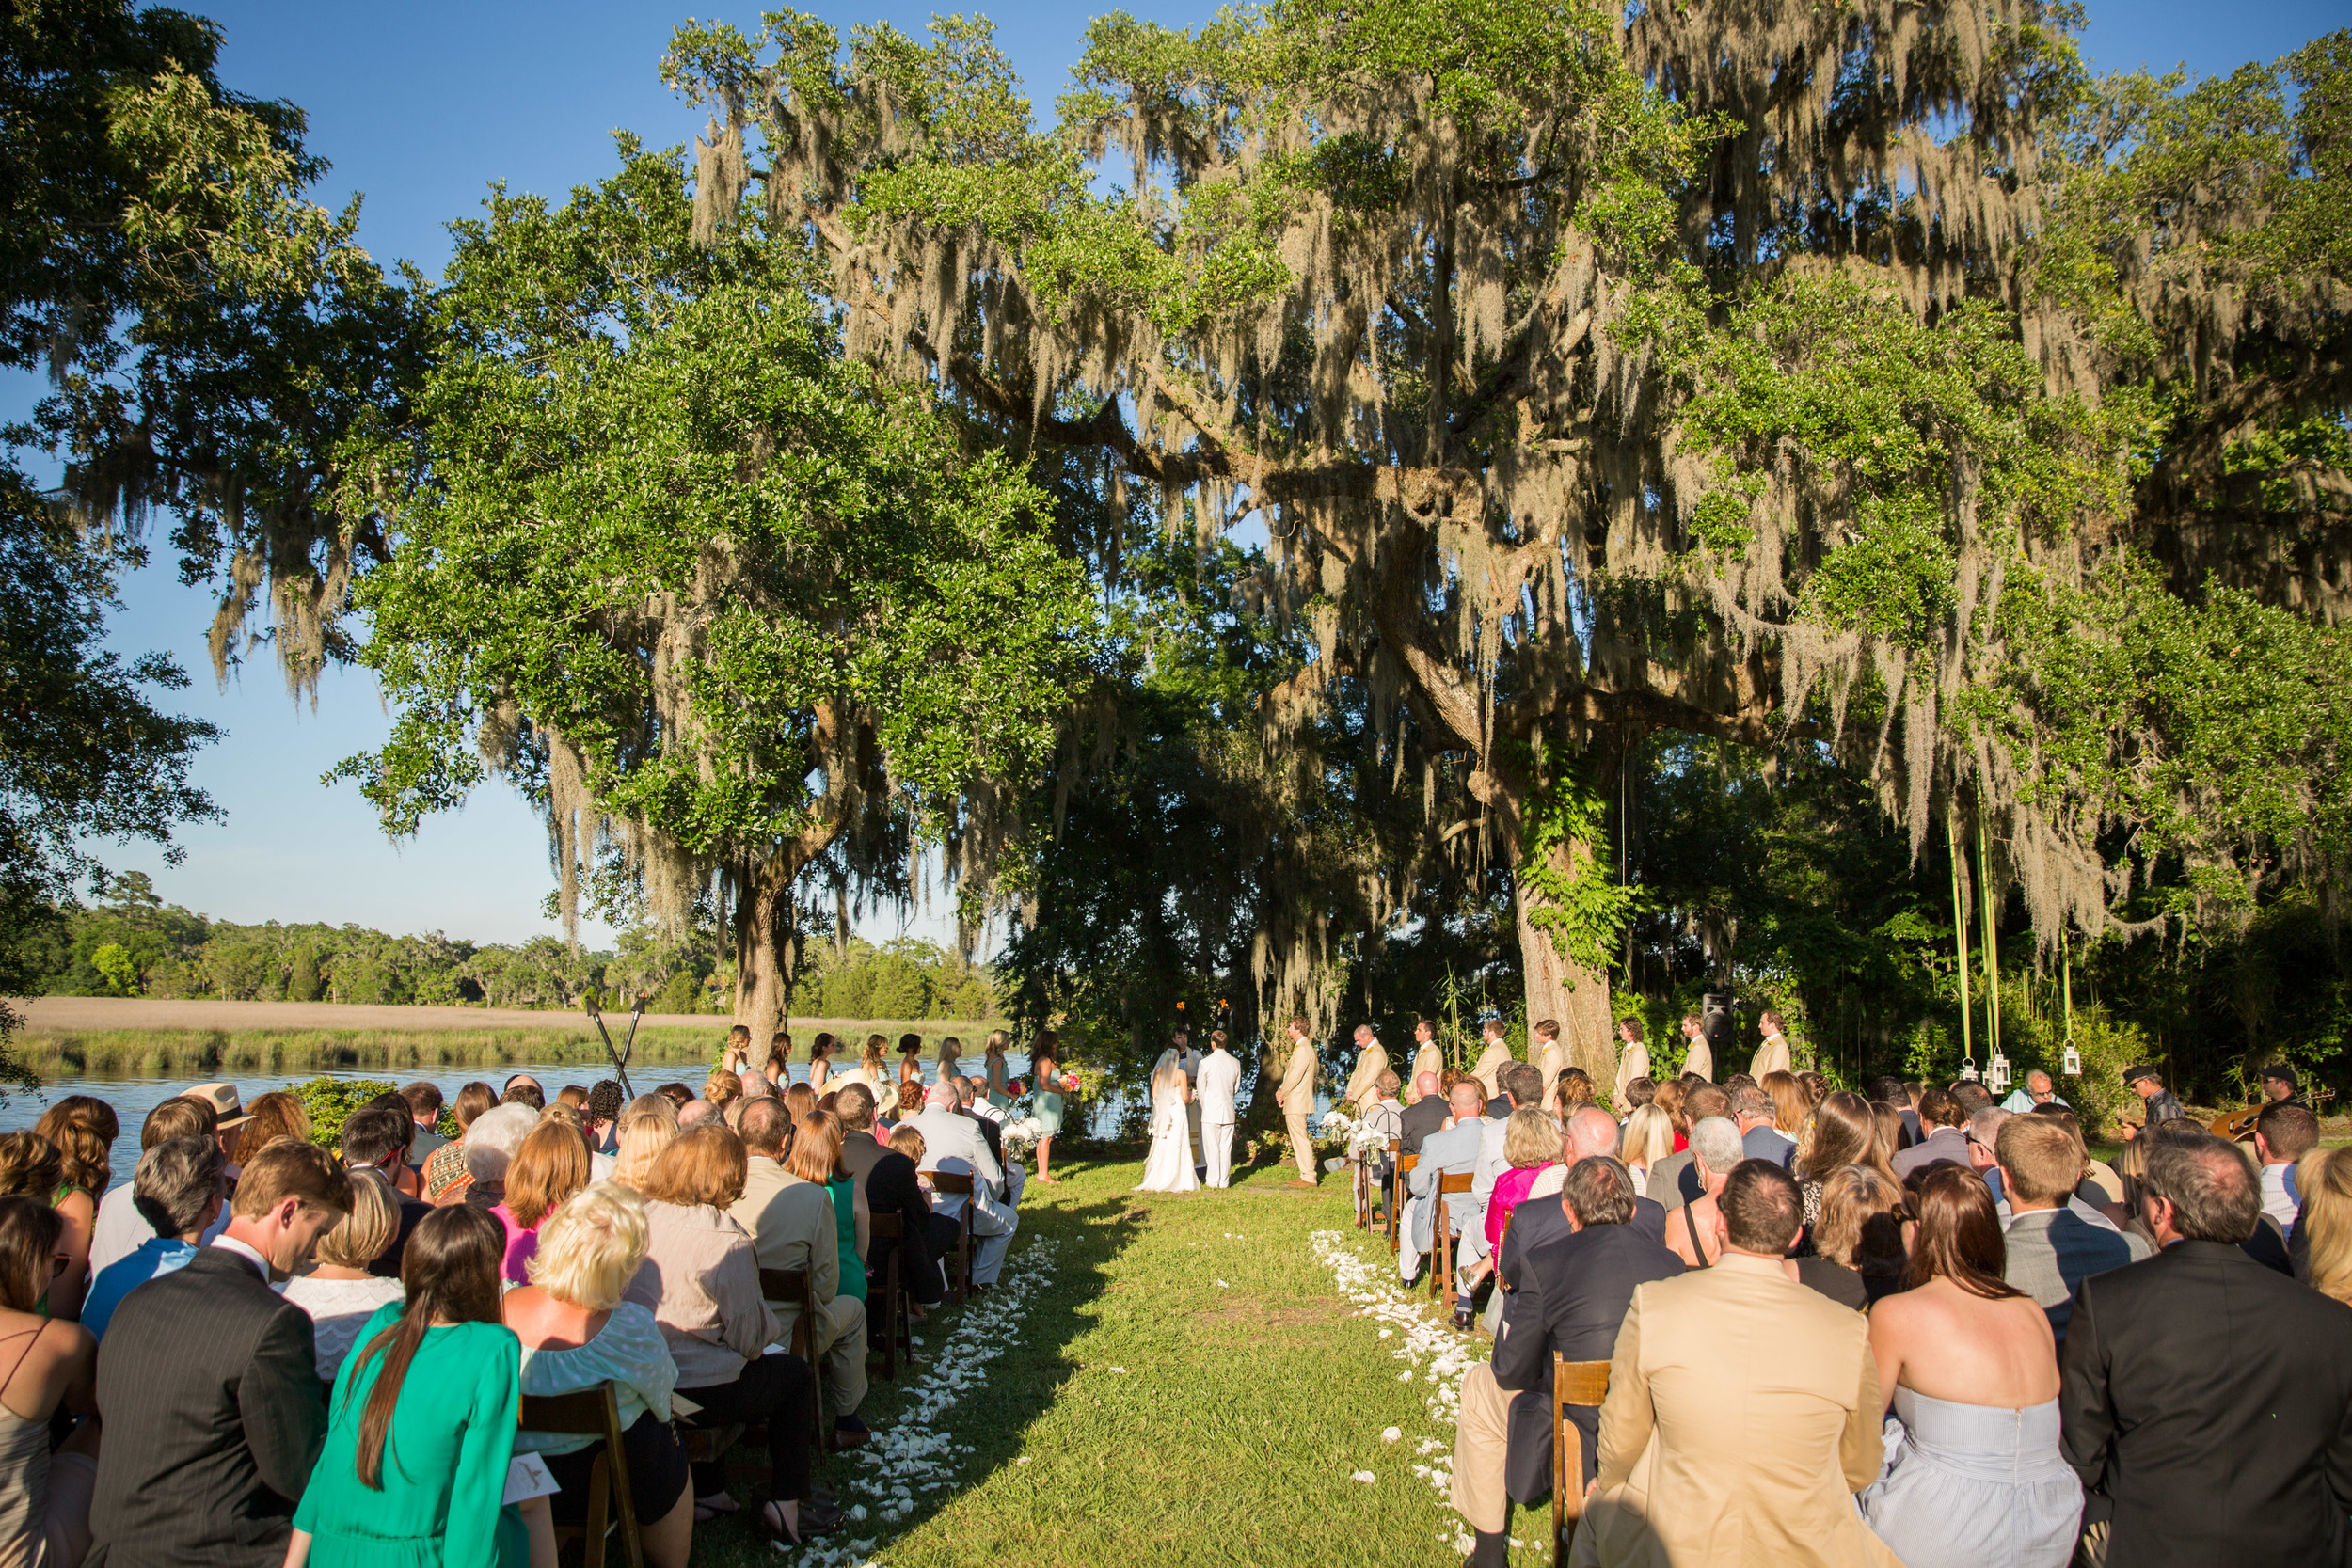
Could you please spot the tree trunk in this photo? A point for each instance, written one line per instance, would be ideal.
(1560, 987)
(759, 972)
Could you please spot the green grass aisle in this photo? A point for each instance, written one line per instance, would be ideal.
(1162, 1379)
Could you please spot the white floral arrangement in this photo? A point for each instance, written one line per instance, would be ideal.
(1367, 1140)
(1019, 1137)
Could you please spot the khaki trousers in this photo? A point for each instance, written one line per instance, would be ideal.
(839, 1343)
(1302, 1141)
(1482, 1436)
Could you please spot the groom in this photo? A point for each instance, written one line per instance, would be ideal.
(1189, 1063)
(1220, 1075)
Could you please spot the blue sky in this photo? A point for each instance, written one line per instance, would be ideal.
(420, 107)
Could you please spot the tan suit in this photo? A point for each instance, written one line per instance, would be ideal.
(1553, 1059)
(792, 1226)
(1298, 1102)
(1743, 1409)
(1490, 1061)
(1700, 1058)
(1770, 1057)
(1633, 1064)
(1363, 1085)
(1427, 1059)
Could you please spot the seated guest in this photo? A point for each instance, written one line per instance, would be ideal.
(2051, 1246)
(1675, 1182)
(181, 1187)
(491, 1145)
(1896, 1094)
(82, 1128)
(1385, 1118)
(722, 1091)
(1451, 1152)
(277, 1118)
(2322, 1232)
(1984, 1135)
(1763, 1476)
(445, 1177)
(343, 1292)
(2204, 1395)
(1591, 1133)
(676, 1094)
(1942, 1117)
(1971, 1374)
(1841, 1133)
(789, 1215)
(1860, 1240)
(550, 1167)
(603, 1119)
(1756, 1115)
(422, 1427)
(2284, 1134)
(968, 1104)
(423, 1101)
(890, 1184)
(210, 1382)
(1424, 1116)
(377, 1140)
(953, 1143)
(1791, 1109)
(1570, 1296)
(402, 1174)
(701, 1279)
(523, 1090)
(1649, 1138)
(1715, 1147)
(44, 1497)
(1531, 1142)
(648, 1126)
(121, 1228)
(576, 1332)
(697, 1113)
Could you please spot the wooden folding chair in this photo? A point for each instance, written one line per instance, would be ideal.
(1362, 1181)
(1444, 1235)
(958, 1181)
(1578, 1383)
(886, 1227)
(1405, 1162)
(1391, 1205)
(800, 1286)
(591, 1412)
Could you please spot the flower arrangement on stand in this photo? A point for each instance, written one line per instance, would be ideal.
(1019, 1137)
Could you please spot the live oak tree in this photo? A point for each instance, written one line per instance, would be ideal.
(739, 616)
(1850, 377)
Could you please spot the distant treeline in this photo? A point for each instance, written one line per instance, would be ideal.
(132, 943)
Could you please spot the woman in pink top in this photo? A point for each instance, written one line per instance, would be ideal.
(549, 1168)
(1531, 1141)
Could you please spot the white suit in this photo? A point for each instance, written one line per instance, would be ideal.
(1212, 1101)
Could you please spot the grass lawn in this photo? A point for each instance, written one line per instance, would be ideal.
(1180, 1380)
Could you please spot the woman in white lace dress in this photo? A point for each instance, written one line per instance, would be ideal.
(1169, 1169)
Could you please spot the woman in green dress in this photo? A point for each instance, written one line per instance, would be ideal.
(1046, 1099)
(421, 1425)
(993, 1055)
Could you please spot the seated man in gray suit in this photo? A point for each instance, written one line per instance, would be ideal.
(2051, 1248)
(1451, 1153)
(210, 1384)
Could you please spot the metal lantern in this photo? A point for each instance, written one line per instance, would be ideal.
(1968, 1069)
(1998, 1080)
(2071, 1063)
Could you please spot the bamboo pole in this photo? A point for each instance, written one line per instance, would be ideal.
(1960, 935)
(1991, 958)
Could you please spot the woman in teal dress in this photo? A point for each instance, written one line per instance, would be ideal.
(422, 1428)
(817, 1157)
(1046, 1099)
(993, 1055)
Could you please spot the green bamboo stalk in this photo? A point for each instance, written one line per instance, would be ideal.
(1960, 936)
(1991, 958)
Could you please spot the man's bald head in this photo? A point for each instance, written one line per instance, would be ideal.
(1467, 1099)
(1592, 1131)
(1425, 1085)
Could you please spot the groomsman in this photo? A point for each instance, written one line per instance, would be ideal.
(1698, 1056)
(1773, 1055)
(1633, 1063)
(1551, 1057)
(1220, 1075)
(1426, 1053)
(1296, 1098)
(1493, 1059)
(1372, 1060)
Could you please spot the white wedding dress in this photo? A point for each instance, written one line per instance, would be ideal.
(1169, 1169)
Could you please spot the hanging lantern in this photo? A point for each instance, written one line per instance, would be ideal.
(1969, 1070)
(2071, 1063)
(1998, 1079)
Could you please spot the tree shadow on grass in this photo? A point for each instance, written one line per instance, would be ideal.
(1021, 1383)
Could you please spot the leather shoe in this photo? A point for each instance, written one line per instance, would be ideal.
(1301, 1181)
(842, 1440)
(1463, 1318)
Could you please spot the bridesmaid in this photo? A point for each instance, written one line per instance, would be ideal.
(993, 1055)
(819, 1063)
(1046, 1099)
(421, 1425)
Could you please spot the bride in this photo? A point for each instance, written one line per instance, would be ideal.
(1169, 1170)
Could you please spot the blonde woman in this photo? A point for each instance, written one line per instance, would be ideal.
(1649, 1138)
(1169, 1167)
(578, 1333)
(647, 1127)
(993, 1057)
(2324, 1177)
(1530, 1145)
(724, 1090)
(340, 1294)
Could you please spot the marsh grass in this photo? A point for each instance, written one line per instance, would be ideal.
(184, 1052)
(1251, 1392)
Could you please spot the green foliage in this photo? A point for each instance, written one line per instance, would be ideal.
(1564, 866)
(329, 1101)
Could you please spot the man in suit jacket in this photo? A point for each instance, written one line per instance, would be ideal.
(792, 1226)
(1363, 1082)
(1551, 1057)
(1220, 1076)
(1943, 1119)
(1772, 1054)
(377, 1138)
(886, 1180)
(1633, 1062)
(1492, 1058)
(1451, 1153)
(952, 1143)
(2204, 1396)
(210, 1388)
(1423, 1116)
(2050, 1248)
(1295, 1096)
(1697, 1055)
(1673, 1180)
(1753, 1110)
(1591, 1133)
(1427, 1056)
(1743, 1409)
(1572, 1296)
